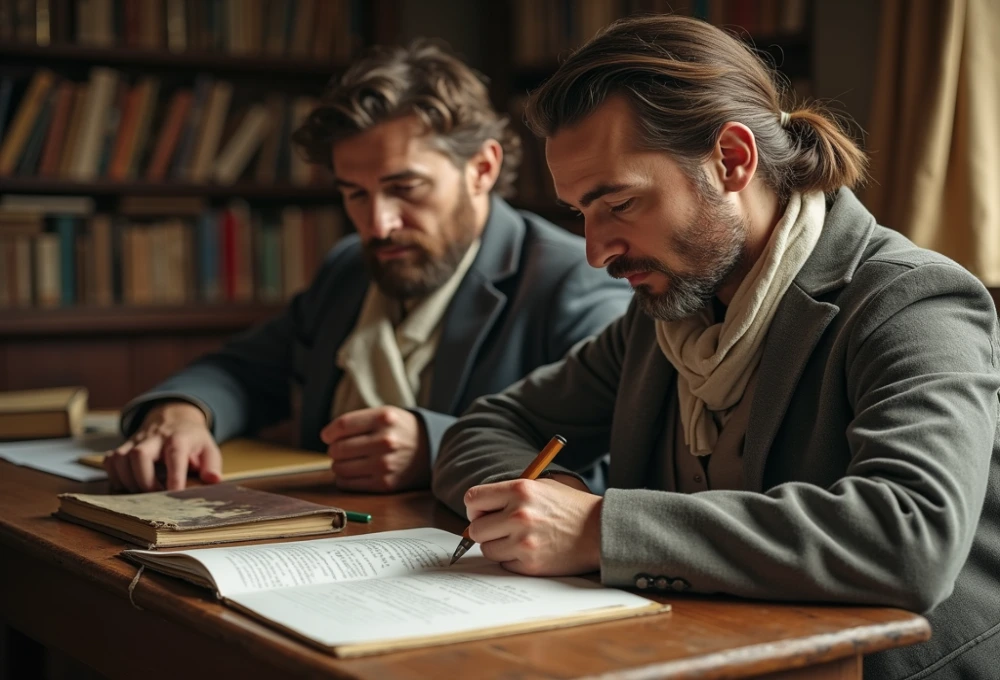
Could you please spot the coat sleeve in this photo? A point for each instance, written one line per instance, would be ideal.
(246, 385)
(897, 527)
(501, 434)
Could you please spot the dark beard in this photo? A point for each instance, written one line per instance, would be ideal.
(714, 247)
(428, 272)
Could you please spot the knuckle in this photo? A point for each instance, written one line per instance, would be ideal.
(528, 543)
(522, 516)
(387, 416)
(387, 482)
(522, 489)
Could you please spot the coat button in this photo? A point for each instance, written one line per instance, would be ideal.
(697, 478)
(642, 582)
(661, 582)
(680, 584)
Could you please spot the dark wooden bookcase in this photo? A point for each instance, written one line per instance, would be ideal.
(120, 350)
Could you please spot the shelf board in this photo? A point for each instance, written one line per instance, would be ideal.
(126, 320)
(103, 187)
(194, 61)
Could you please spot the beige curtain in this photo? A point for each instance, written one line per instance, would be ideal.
(935, 128)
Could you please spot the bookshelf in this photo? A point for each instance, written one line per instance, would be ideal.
(122, 346)
(160, 301)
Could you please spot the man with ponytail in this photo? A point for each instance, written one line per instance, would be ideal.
(800, 404)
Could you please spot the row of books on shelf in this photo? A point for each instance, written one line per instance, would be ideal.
(111, 127)
(233, 254)
(544, 31)
(306, 29)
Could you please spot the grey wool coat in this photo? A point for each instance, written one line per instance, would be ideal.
(870, 462)
(528, 297)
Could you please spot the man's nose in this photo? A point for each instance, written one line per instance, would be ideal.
(602, 247)
(385, 217)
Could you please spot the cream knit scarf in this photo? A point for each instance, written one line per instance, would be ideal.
(715, 361)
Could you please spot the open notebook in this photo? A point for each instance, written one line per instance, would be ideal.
(392, 590)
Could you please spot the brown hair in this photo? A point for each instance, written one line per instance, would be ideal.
(424, 79)
(684, 79)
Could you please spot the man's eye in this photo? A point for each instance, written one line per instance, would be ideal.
(355, 195)
(622, 207)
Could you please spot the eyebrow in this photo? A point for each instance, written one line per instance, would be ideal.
(596, 193)
(394, 177)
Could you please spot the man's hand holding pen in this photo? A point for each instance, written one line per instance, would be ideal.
(545, 527)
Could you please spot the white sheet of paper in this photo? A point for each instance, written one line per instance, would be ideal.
(59, 456)
(435, 602)
(250, 568)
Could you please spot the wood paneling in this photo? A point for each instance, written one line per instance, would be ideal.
(154, 359)
(102, 366)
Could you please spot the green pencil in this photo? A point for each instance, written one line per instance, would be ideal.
(358, 517)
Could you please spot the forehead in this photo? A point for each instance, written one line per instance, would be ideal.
(601, 149)
(588, 147)
(386, 148)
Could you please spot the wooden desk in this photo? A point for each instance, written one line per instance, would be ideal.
(64, 586)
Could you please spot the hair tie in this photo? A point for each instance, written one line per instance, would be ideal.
(786, 118)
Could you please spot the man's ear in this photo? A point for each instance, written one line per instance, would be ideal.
(734, 159)
(483, 168)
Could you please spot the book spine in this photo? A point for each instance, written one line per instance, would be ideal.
(208, 251)
(33, 149)
(27, 113)
(48, 288)
(228, 248)
(6, 92)
(66, 228)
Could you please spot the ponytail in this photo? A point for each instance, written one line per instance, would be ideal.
(822, 156)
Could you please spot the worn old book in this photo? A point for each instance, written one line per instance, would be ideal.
(219, 513)
(357, 595)
(43, 414)
(249, 458)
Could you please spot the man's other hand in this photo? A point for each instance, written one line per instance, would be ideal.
(379, 449)
(175, 434)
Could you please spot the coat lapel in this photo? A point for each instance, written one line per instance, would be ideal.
(799, 324)
(476, 306)
(642, 414)
(343, 305)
